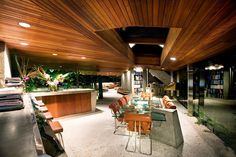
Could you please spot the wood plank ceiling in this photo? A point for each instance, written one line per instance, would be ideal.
(198, 29)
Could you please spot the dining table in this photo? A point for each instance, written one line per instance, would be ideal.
(165, 122)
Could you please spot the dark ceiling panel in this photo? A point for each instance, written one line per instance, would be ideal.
(143, 32)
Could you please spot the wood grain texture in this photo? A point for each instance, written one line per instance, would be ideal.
(75, 28)
(62, 105)
(144, 60)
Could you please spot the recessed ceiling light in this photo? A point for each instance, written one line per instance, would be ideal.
(131, 45)
(24, 44)
(173, 58)
(54, 54)
(23, 24)
(161, 45)
(83, 57)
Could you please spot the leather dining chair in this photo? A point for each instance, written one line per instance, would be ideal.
(122, 102)
(127, 98)
(118, 115)
(138, 124)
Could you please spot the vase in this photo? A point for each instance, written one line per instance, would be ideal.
(53, 88)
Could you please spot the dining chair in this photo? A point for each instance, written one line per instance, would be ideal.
(138, 125)
(122, 102)
(127, 98)
(118, 115)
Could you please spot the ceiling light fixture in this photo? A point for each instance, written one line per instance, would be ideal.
(23, 24)
(173, 58)
(138, 69)
(83, 57)
(24, 44)
(54, 54)
(214, 67)
(161, 45)
(131, 45)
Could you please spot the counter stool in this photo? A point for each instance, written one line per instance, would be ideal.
(57, 129)
(39, 103)
(48, 115)
(41, 109)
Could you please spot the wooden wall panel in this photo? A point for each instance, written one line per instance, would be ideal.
(63, 105)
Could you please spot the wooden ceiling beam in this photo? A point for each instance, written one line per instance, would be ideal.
(171, 38)
(69, 13)
(112, 37)
(145, 60)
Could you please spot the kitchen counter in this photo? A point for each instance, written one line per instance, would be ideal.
(19, 134)
(67, 102)
(62, 92)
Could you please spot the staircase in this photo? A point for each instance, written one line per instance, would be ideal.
(161, 75)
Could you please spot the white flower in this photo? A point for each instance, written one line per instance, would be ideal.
(50, 83)
(55, 82)
(47, 77)
(60, 78)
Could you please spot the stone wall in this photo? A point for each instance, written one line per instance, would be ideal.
(5, 70)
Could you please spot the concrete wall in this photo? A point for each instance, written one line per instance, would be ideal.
(168, 131)
(126, 80)
(5, 69)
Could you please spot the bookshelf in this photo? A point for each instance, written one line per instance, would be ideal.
(216, 83)
(138, 82)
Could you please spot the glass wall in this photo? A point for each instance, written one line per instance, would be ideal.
(214, 95)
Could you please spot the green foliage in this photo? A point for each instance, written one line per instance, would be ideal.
(35, 83)
(35, 77)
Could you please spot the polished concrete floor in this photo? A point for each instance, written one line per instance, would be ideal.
(91, 135)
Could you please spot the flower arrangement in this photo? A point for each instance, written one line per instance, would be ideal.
(22, 67)
(52, 83)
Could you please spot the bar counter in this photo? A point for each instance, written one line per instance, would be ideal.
(67, 102)
(19, 134)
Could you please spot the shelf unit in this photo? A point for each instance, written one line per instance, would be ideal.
(216, 82)
(138, 82)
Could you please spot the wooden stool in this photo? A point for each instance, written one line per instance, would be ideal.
(48, 115)
(57, 129)
(39, 103)
(42, 109)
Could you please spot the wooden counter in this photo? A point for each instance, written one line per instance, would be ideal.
(67, 102)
